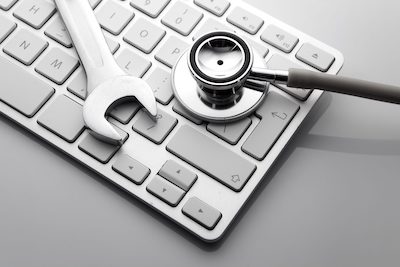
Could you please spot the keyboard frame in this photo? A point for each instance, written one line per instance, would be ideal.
(228, 202)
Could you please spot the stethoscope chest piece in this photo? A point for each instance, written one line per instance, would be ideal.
(210, 80)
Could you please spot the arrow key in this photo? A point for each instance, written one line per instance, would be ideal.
(165, 191)
(202, 213)
(131, 169)
(178, 175)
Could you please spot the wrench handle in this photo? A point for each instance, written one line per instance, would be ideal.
(88, 40)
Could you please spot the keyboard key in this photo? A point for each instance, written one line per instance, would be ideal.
(279, 38)
(278, 62)
(100, 150)
(25, 46)
(78, 85)
(131, 169)
(124, 112)
(64, 118)
(155, 131)
(144, 35)
(276, 113)
(6, 27)
(210, 157)
(171, 51)
(165, 190)
(132, 63)
(209, 26)
(315, 57)
(245, 20)
(7, 4)
(182, 18)
(151, 8)
(21, 90)
(217, 7)
(58, 32)
(178, 175)
(57, 65)
(202, 213)
(35, 12)
(230, 132)
(160, 81)
(181, 111)
(113, 17)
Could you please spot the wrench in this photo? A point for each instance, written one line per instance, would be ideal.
(107, 84)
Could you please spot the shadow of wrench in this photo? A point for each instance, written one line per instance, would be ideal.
(107, 84)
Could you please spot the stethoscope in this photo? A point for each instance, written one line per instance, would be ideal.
(221, 79)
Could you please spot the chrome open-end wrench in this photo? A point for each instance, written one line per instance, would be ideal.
(107, 84)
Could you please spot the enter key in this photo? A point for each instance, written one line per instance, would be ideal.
(275, 113)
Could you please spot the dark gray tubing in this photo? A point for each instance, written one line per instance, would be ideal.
(313, 80)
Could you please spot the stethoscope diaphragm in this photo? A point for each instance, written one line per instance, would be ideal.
(209, 79)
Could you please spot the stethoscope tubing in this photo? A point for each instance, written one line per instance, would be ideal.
(307, 79)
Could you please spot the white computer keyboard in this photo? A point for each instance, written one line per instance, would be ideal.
(197, 174)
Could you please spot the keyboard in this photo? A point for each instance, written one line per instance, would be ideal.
(197, 174)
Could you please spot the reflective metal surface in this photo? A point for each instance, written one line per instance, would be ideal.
(194, 99)
(220, 57)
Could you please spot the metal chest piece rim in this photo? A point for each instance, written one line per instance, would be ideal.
(218, 97)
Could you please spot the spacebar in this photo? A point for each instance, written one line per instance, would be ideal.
(21, 90)
(211, 157)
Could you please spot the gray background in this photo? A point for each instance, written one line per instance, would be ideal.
(332, 199)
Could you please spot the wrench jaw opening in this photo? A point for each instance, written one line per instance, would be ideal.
(98, 125)
(109, 94)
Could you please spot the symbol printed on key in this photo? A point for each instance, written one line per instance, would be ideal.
(279, 115)
(144, 33)
(280, 37)
(25, 45)
(130, 167)
(178, 20)
(176, 51)
(164, 189)
(34, 9)
(56, 64)
(127, 65)
(235, 178)
(200, 211)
